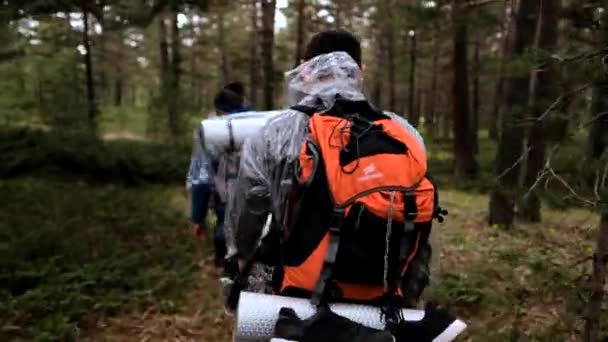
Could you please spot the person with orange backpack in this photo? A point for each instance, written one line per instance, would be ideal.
(345, 186)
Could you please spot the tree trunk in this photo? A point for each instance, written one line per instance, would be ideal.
(254, 69)
(164, 57)
(90, 81)
(556, 126)
(475, 105)
(339, 13)
(175, 93)
(380, 57)
(465, 165)
(104, 86)
(412, 77)
(346, 10)
(221, 44)
(133, 94)
(268, 11)
(390, 44)
(419, 104)
(198, 94)
(300, 32)
(430, 119)
(543, 92)
(598, 129)
(500, 81)
(118, 76)
(597, 282)
(118, 87)
(509, 154)
(194, 91)
(42, 108)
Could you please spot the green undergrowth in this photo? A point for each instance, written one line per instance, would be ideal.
(567, 161)
(76, 155)
(120, 159)
(529, 281)
(78, 242)
(70, 251)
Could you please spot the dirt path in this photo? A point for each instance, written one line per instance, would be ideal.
(201, 318)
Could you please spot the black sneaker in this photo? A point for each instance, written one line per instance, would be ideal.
(436, 326)
(219, 252)
(231, 267)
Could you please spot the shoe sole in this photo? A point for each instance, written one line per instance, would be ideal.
(451, 332)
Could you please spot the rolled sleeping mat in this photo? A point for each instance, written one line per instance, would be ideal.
(258, 313)
(228, 132)
(241, 115)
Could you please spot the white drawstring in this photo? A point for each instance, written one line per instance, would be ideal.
(388, 238)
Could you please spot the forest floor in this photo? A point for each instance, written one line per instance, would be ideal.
(525, 282)
(95, 246)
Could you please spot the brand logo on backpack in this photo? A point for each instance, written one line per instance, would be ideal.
(369, 173)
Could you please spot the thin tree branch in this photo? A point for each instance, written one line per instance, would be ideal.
(560, 99)
(517, 162)
(595, 117)
(570, 189)
(543, 172)
(583, 55)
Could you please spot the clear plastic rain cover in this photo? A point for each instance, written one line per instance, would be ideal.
(268, 160)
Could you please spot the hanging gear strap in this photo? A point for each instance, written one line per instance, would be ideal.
(438, 212)
(241, 277)
(318, 295)
(411, 209)
(391, 301)
(232, 146)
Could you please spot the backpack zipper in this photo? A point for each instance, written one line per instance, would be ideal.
(351, 200)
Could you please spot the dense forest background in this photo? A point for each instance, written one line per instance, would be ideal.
(98, 99)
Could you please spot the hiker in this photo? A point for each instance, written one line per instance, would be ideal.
(210, 176)
(346, 189)
(330, 80)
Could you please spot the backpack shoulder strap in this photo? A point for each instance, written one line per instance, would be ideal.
(344, 107)
(319, 295)
(304, 109)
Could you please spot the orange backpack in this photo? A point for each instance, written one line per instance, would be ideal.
(363, 204)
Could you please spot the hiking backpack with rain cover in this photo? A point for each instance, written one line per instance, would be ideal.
(361, 207)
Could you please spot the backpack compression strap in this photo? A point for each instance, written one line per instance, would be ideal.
(231, 147)
(337, 218)
(344, 107)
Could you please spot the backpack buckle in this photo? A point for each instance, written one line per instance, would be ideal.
(337, 218)
(439, 214)
(411, 208)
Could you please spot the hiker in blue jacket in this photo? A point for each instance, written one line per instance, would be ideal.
(210, 177)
